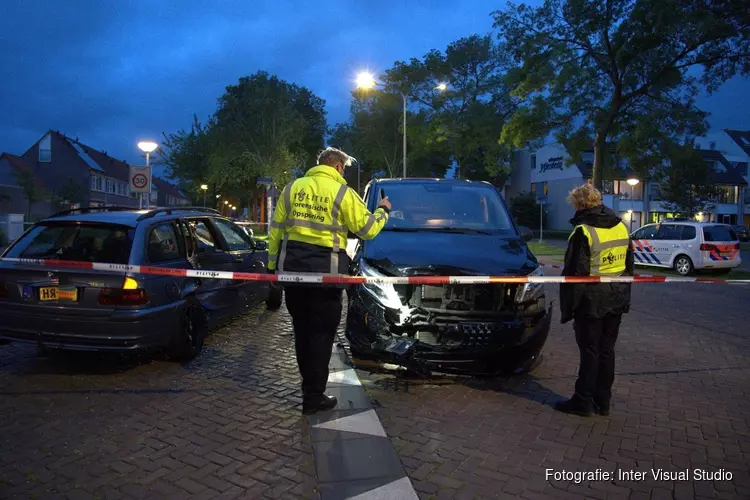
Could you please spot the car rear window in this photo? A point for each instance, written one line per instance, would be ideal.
(719, 233)
(427, 205)
(76, 242)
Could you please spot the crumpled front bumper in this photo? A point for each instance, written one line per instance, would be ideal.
(479, 345)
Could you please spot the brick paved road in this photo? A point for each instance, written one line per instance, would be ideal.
(681, 403)
(225, 426)
(228, 424)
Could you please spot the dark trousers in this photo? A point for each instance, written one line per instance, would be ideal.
(596, 338)
(316, 314)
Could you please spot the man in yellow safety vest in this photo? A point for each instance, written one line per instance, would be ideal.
(308, 235)
(598, 246)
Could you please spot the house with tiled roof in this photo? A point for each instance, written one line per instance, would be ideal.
(89, 177)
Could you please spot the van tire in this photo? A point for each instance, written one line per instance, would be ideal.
(187, 342)
(683, 265)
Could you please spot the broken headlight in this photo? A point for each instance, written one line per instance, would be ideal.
(384, 293)
(530, 291)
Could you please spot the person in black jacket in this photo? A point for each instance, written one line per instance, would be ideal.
(598, 246)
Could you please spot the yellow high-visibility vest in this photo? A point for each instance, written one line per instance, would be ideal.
(320, 209)
(609, 248)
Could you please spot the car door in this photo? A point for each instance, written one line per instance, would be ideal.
(642, 248)
(211, 254)
(247, 257)
(666, 243)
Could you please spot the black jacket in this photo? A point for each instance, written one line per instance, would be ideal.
(592, 299)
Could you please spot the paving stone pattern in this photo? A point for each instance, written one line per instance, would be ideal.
(227, 425)
(681, 402)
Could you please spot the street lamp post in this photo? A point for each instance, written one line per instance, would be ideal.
(204, 187)
(148, 147)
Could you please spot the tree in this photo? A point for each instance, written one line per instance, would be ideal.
(595, 71)
(30, 186)
(525, 210)
(71, 192)
(684, 184)
(265, 127)
(186, 155)
(464, 119)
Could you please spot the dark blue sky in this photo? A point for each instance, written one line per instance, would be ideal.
(113, 73)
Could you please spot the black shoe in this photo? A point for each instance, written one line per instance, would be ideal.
(573, 407)
(320, 403)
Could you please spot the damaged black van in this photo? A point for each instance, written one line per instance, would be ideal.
(447, 227)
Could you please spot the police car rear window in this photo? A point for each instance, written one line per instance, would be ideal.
(76, 242)
(719, 233)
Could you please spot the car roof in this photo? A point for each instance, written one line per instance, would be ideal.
(688, 222)
(125, 217)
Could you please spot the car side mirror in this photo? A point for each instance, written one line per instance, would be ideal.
(526, 233)
(260, 245)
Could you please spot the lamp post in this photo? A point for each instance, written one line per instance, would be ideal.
(204, 187)
(148, 147)
(366, 81)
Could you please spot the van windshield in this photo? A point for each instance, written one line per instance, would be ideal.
(76, 242)
(446, 207)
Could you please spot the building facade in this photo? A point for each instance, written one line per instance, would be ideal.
(82, 176)
(547, 173)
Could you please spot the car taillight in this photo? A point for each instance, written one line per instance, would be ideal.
(736, 246)
(705, 247)
(120, 297)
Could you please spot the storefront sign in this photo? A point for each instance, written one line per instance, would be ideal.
(555, 163)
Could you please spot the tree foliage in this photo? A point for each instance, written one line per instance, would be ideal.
(458, 124)
(525, 210)
(29, 184)
(263, 127)
(71, 192)
(684, 184)
(594, 72)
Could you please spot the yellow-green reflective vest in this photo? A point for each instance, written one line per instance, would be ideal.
(609, 248)
(319, 209)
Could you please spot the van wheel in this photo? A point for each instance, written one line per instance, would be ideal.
(683, 265)
(187, 341)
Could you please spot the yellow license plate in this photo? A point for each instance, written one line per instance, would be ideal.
(50, 293)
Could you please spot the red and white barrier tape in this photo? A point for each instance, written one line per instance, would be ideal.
(353, 280)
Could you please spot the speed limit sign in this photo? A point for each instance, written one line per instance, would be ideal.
(140, 178)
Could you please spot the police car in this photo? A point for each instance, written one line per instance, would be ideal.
(686, 246)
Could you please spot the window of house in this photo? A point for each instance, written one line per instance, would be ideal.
(93, 183)
(727, 194)
(110, 186)
(539, 189)
(45, 149)
(163, 244)
(533, 162)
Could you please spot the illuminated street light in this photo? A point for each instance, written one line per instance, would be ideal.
(147, 147)
(204, 187)
(366, 81)
(633, 181)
